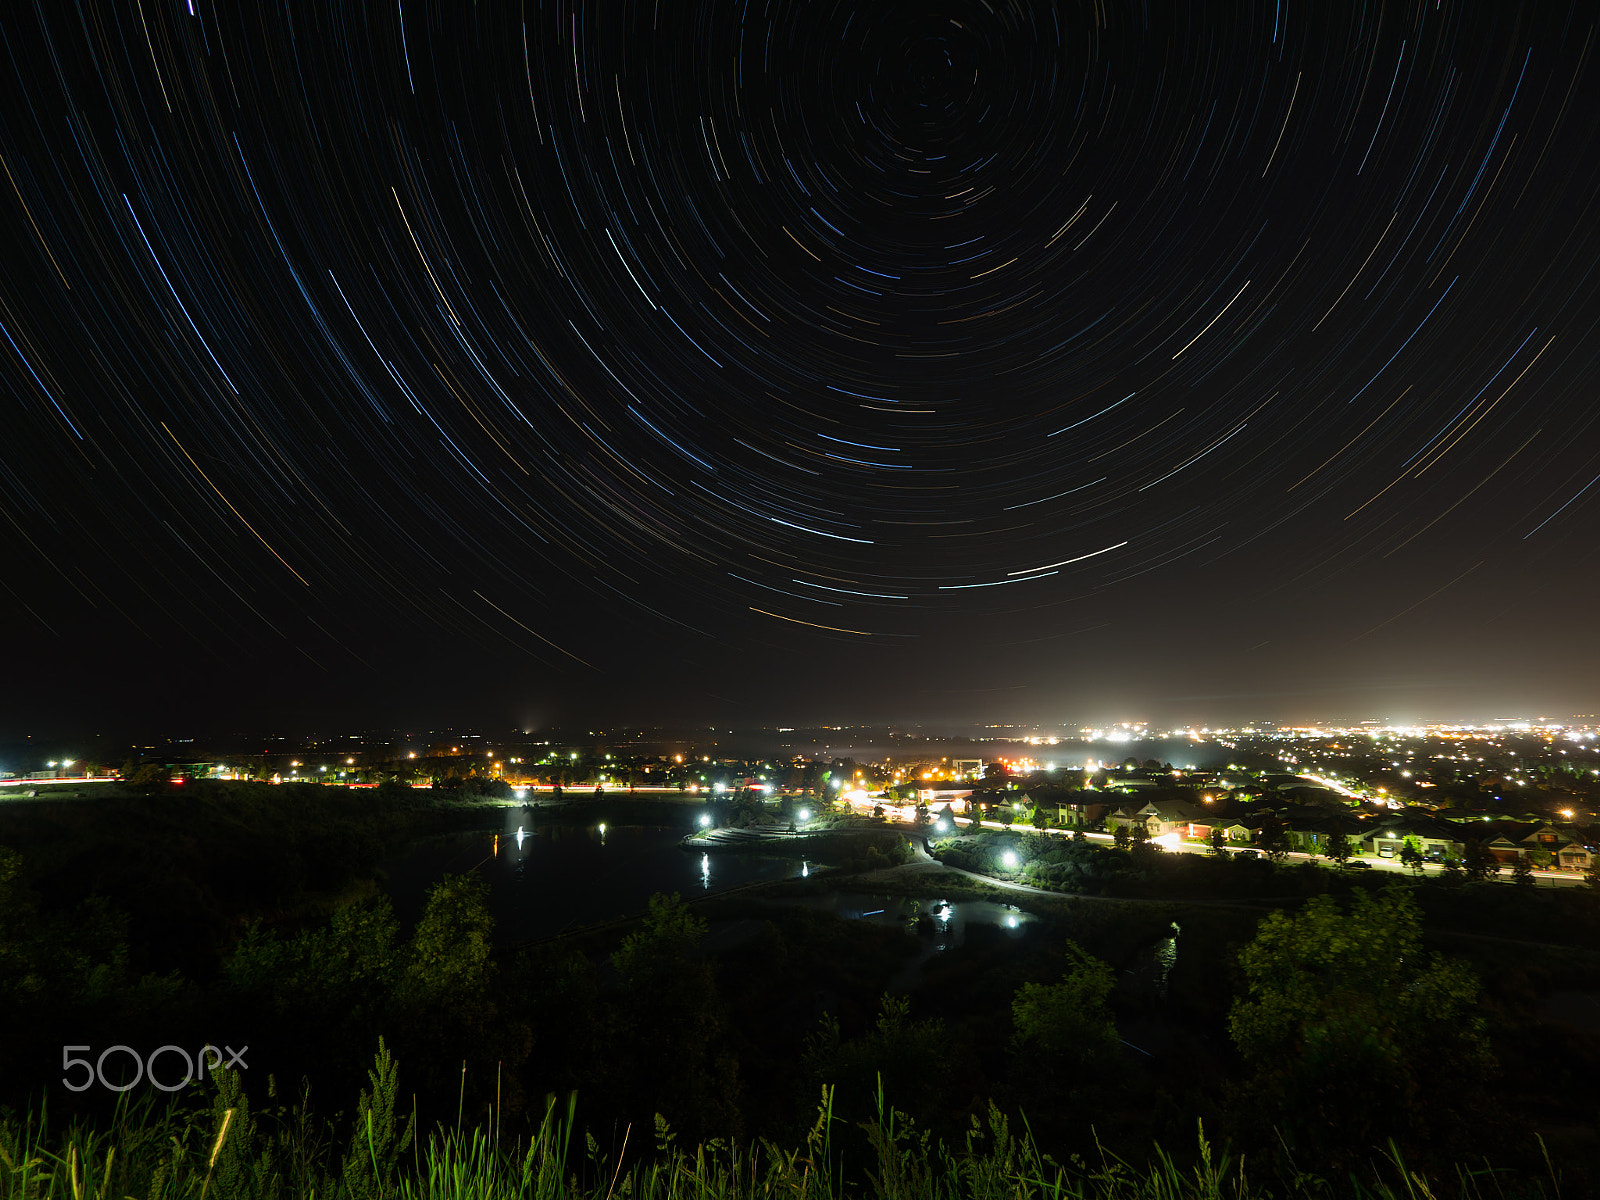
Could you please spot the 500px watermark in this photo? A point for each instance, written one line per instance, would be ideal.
(207, 1058)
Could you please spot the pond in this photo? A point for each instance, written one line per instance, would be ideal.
(937, 924)
(553, 877)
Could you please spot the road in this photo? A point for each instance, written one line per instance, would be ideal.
(1541, 878)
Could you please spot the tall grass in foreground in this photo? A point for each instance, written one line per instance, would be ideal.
(150, 1152)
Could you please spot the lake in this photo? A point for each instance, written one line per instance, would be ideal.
(558, 876)
(565, 874)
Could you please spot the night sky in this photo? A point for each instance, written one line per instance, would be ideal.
(772, 362)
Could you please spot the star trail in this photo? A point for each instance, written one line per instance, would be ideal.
(777, 361)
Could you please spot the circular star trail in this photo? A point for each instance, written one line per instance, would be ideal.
(772, 358)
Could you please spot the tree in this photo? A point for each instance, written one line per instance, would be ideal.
(1338, 847)
(1352, 1033)
(1120, 837)
(1041, 820)
(1478, 863)
(1411, 856)
(150, 776)
(1145, 849)
(1522, 871)
(907, 1058)
(1272, 840)
(1066, 1026)
(668, 1045)
(1219, 839)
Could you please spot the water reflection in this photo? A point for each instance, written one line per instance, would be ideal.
(566, 876)
(1152, 966)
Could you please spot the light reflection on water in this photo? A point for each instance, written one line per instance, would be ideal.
(554, 877)
(1153, 965)
(937, 924)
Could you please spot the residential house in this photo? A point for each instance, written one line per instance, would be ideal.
(1575, 856)
(1067, 807)
(1540, 843)
(1240, 831)
(1436, 839)
(1309, 829)
(1182, 817)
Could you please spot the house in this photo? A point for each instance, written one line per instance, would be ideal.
(1162, 817)
(1241, 831)
(1435, 839)
(1067, 807)
(1575, 856)
(1122, 817)
(1310, 829)
(1536, 841)
(934, 796)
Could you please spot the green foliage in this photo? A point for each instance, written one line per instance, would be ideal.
(1272, 839)
(1348, 1026)
(667, 1052)
(451, 946)
(1337, 848)
(177, 1154)
(1411, 857)
(1066, 1026)
(905, 1056)
(667, 935)
(376, 1143)
(348, 964)
(1478, 863)
(1522, 871)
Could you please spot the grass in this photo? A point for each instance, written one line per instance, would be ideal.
(220, 1149)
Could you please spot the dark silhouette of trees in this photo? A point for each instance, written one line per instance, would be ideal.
(1272, 839)
(1063, 1033)
(1337, 848)
(667, 1049)
(1353, 1035)
(1478, 863)
(909, 1057)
